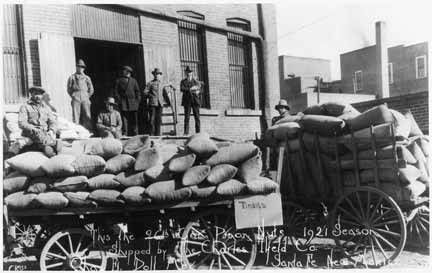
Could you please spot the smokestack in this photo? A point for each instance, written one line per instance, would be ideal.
(383, 90)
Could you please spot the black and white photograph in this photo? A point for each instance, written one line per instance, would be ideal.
(216, 135)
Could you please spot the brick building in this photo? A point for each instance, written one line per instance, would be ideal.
(230, 47)
(407, 70)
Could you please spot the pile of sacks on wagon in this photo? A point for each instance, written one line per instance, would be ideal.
(318, 127)
(136, 172)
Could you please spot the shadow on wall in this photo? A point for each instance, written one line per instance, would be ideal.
(34, 62)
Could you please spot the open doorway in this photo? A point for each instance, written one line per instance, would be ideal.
(104, 60)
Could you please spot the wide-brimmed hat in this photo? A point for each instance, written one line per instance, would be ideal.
(188, 69)
(127, 68)
(156, 71)
(282, 103)
(81, 63)
(36, 89)
(110, 100)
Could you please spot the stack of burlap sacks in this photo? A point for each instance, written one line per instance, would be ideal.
(107, 172)
(319, 125)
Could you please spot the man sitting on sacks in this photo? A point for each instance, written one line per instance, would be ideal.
(109, 121)
(283, 108)
(38, 123)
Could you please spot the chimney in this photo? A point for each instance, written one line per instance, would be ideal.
(383, 90)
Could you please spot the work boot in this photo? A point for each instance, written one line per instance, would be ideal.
(48, 151)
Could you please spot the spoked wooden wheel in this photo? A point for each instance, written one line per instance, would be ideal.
(26, 235)
(211, 241)
(418, 226)
(73, 249)
(295, 219)
(369, 227)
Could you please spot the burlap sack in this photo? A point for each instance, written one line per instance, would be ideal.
(168, 151)
(402, 125)
(421, 162)
(203, 191)
(425, 145)
(291, 118)
(89, 165)
(158, 173)
(59, 166)
(20, 200)
(136, 144)
(348, 116)
(261, 185)
(221, 173)
(79, 199)
(40, 184)
(326, 145)
(15, 182)
(349, 164)
(314, 110)
(106, 197)
(28, 163)
(105, 147)
(135, 196)
(233, 154)
(282, 132)
(181, 162)
(51, 200)
(315, 174)
(250, 169)
(147, 158)
(380, 131)
(407, 175)
(407, 193)
(73, 183)
(103, 181)
(322, 125)
(384, 153)
(374, 116)
(168, 191)
(231, 187)
(130, 179)
(336, 109)
(119, 163)
(414, 128)
(202, 146)
(195, 175)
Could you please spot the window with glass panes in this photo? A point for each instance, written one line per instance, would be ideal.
(192, 54)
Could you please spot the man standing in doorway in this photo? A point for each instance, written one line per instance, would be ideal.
(80, 89)
(127, 93)
(191, 98)
(157, 98)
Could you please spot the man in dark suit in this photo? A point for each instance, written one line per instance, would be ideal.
(157, 95)
(127, 93)
(191, 98)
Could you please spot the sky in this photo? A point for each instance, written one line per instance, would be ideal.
(325, 29)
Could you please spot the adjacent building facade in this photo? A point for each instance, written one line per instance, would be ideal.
(221, 43)
(407, 70)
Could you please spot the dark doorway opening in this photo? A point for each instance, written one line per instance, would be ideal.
(104, 60)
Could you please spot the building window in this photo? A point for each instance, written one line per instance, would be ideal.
(358, 81)
(421, 70)
(390, 73)
(13, 61)
(239, 59)
(192, 54)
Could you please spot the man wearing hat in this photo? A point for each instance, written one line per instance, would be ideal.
(283, 108)
(38, 123)
(157, 95)
(191, 98)
(80, 89)
(109, 122)
(127, 93)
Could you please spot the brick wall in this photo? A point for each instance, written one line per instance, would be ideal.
(417, 103)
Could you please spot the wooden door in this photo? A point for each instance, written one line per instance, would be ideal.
(57, 63)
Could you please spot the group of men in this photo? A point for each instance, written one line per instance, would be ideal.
(129, 99)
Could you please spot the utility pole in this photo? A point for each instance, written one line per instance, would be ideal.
(318, 79)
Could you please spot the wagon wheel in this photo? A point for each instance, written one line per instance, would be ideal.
(418, 227)
(210, 240)
(374, 224)
(26, 235)
(73, 249)
(295, 219)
